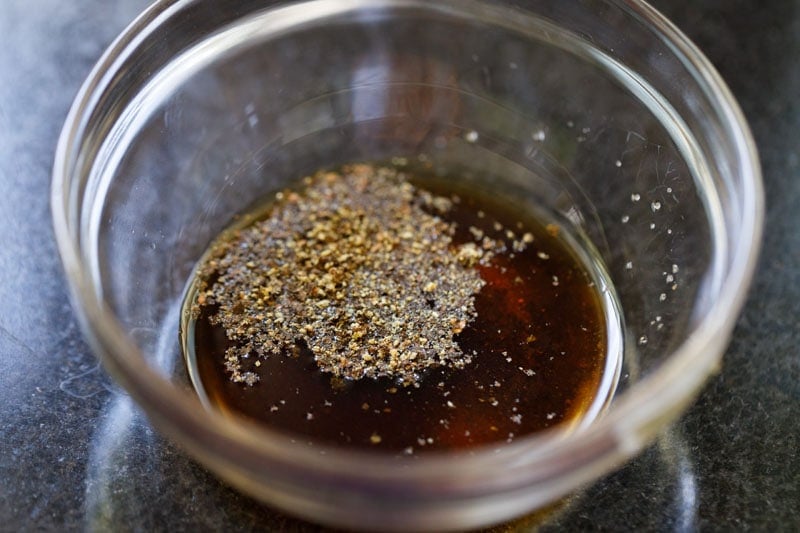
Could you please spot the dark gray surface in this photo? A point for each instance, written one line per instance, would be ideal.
(75, 454)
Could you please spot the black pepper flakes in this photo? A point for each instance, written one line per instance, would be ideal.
(359, 268)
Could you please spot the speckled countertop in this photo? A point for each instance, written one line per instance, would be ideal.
(76, 454)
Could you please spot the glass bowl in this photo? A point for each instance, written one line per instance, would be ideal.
(601, 112)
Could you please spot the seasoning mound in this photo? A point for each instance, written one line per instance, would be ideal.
(358, 267)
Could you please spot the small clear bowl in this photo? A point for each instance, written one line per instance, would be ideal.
(600, 111)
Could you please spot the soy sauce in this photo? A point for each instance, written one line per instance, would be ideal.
(539, 349)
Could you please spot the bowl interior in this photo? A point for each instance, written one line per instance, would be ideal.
(209, 137)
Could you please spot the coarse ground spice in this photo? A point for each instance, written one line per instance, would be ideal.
(359, 268)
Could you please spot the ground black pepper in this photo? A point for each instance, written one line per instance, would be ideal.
(359, 268)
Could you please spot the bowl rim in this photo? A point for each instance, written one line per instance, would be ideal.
(633, 421)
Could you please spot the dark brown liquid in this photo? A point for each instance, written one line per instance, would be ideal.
(539, 351)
